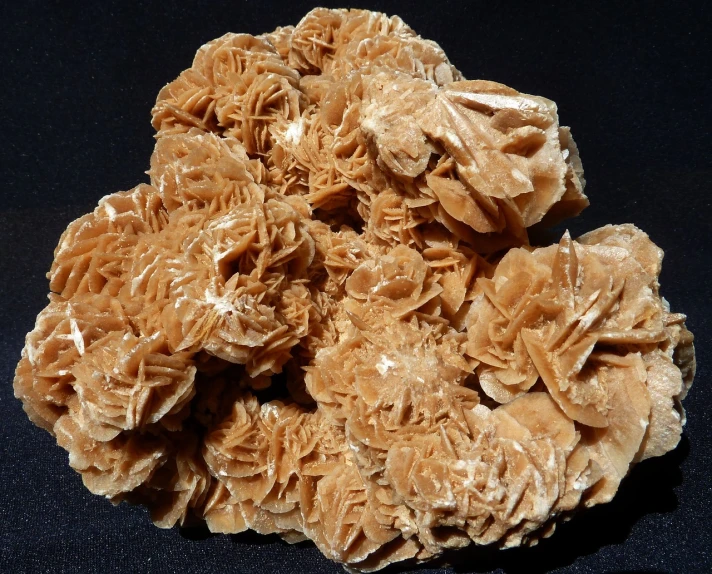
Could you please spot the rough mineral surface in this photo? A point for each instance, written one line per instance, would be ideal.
(323, 317)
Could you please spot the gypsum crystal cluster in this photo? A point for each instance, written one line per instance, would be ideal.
(338, 218)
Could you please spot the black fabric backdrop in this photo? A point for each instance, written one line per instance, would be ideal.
(78, 83)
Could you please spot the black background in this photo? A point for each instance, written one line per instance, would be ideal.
(632, 79)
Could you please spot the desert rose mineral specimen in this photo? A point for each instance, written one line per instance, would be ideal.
(337, 218)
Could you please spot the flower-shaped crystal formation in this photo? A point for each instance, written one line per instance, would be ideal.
(323, 318)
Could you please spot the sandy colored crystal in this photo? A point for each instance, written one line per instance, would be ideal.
(323, 318)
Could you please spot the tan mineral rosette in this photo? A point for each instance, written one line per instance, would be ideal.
(338, 219)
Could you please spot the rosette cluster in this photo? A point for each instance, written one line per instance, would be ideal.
(323, 317)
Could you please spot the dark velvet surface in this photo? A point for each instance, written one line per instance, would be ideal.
(78, 84)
